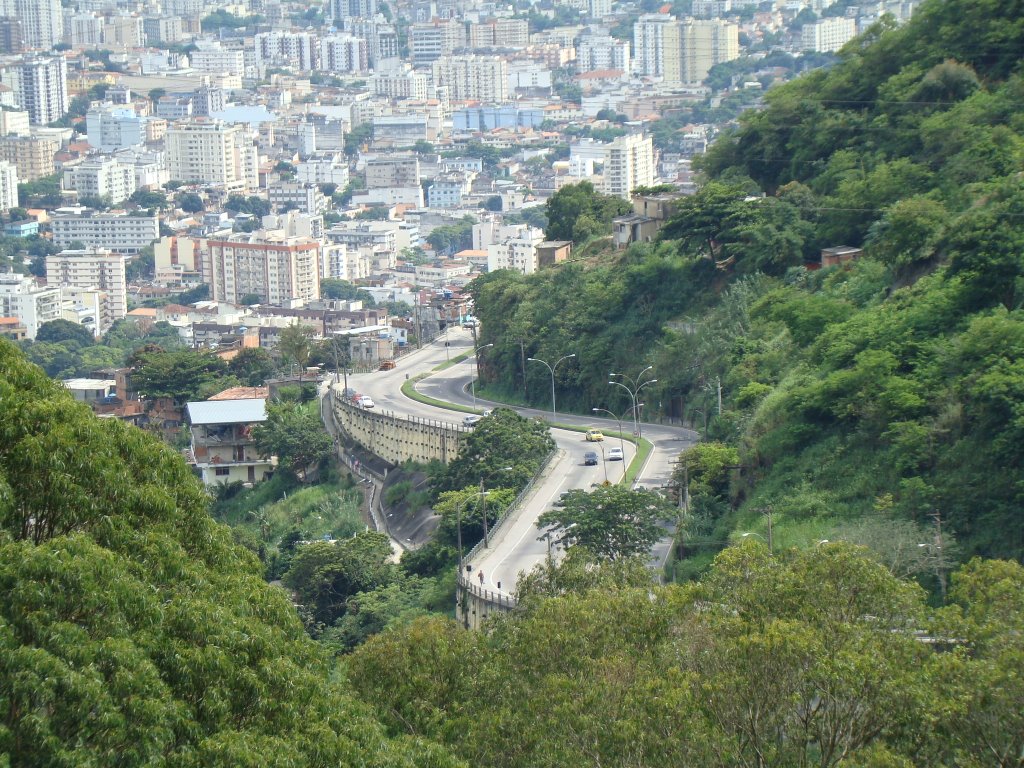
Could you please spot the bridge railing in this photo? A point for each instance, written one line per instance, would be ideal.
(500, 600)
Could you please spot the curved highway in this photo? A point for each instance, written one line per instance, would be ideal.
(520, 545)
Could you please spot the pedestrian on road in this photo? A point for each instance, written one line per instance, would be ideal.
(481, 577)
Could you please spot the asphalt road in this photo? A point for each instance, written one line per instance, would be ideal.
(520, 545)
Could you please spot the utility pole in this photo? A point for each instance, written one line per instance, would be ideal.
(768, 513)
(718, 380)
(483, 510)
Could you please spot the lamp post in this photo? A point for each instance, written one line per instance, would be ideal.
(762, 538)
(476, 361)
(551, 370)
(634, 391)
(622, 443)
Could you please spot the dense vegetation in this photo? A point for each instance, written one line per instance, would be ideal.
(132, 631)
(882, 391)
(819, 657)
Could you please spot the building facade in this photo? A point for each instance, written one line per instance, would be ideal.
(94, 269)
(277, 268)
(212, 152)
(473, 77)
(118, 233)
(628, 164)
(41, 88)
(104, 177)
(33, 305)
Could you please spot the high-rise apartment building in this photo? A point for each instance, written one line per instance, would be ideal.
(33, 305)
(110, 127)
(93, 268)
(480, 78)
(380, 36)
(404, 83)
(41, 87)
(42, 21)
(268, 264)
(12, 39)
(682, 52)
(499, 33)
(83, 30)
(104, 177)
(212, 152)
(116, 232)
(598, 9)
(8, 186)
(298, 50)
(162, 30)
(431, 40)
(601, 51)
(393, 171)
(704, 43)
(828, 34)
(344, 53)
(33, 156)
(344, 9)
(628, 164)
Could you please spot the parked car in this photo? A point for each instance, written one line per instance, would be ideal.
(615, 454)
(365, 401)
(590, 458)
(594, 436)
(387, 365)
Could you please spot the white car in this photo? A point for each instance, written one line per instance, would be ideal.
(615, 454)
(471, 421)
(366, 401)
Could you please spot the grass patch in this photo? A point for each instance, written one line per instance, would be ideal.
(272, 508)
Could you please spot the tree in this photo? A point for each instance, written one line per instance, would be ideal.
(249, 299)
(503, 439)
(574, 201)
(253, 366)
(613, 522)
(190, 202)
(295, 344)
(142, 266)
(327, 574)
(156, 94)
(146, 198)
(343, 289)
(144, 613)
(179, 375)
(293, 434)
(58, 331)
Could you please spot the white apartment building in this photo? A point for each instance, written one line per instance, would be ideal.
(40, 85)
(306, 198)
(110, 127)
(149, 166)
(20, 297)
(103, 177)
(518, 252)
(380, 36)
(298, 50)
(114, 232)
(449, 189)
(598, 9)
(344, 53)
(628, 164)
(682, 52)
(14, 123)
(8, 186)
(401, 84)
(598, 52)
(83, 30)
(42, 21)
(268, 263)
(218, 60)
(827, 34)
(473, 77)
(324, 168)
(340, 262)
(93, 269)
(378, 236)
(212, 152)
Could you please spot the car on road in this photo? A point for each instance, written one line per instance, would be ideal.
(590, 459)
(615, 454)
(471, 421)
(560, 501)
(387, 365)
(365, 401)
(594, 436)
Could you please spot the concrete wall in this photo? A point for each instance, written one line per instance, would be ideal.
(473, 603)
(397, 438)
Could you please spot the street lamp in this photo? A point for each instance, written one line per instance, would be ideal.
(551, 369)
(634, 392)
(622, 443)
(762, 538)
(476, 361)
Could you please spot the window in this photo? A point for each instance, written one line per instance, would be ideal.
(222, 471)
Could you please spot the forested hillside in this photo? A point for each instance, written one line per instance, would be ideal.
(882, 398)
(132, 631)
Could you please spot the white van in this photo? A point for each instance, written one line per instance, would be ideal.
(366, 401)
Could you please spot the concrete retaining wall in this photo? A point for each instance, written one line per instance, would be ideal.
(397, 438)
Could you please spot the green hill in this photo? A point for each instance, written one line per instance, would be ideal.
(884, 394)
(132, 631)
